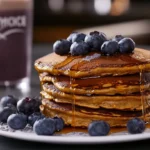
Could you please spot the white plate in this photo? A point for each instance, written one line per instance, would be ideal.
(73, 137)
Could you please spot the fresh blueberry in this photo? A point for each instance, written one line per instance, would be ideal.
(98, 128)
(117, 38)
(101, 34)
(79, 49)
(126, 45)
(135, 125)
(109, 47)
(6, 112)
(69, 38)
(44, 126)
(61, 47)
(28, 105)
(59, 123)
(33, 117)
(78, 37)
(8, 100)
(95, 41)
(17, 121)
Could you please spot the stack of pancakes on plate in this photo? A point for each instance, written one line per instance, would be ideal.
(81, 89)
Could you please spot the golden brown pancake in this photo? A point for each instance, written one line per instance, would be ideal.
(95, 64)
(125, 103)
(119, 89)
(83, 117)
(90, 82)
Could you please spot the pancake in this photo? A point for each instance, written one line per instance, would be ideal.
(90, 82)
(119, 89)
(81, 89)
(132, 102)
(95, 64)
(82, 117)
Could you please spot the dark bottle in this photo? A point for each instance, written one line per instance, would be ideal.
(15, 41)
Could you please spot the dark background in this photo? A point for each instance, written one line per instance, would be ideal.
(56, 19)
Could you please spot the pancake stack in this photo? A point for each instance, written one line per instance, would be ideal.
(82, 89)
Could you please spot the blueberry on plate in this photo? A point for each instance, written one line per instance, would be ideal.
(28, 105)
(101, 34)
(33, 117)
(78, 37)
(59, 123)
(6, 112)
(61, 47)
(95, 41)
(110, 47)
(98, 128)
(126, 45)
(117, 38)
(17, 121)
(135, 125)
(45, 126)
(81, 48)
(5, 100)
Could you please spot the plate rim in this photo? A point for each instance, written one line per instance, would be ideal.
(75, 139)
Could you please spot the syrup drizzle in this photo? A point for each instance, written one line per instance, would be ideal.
(142, 90)
(73, 103)
(72, 83)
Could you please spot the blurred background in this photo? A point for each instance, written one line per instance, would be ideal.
(56, 19)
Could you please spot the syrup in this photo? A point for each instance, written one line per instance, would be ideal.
(98, 81)
(84, 130)
(72, 84)
(142, 91)
(73, 102)
(77, 66)
(72, 129)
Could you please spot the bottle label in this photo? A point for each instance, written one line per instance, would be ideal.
(15, 44)
(11, 25)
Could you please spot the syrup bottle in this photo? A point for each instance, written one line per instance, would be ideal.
(15, 42)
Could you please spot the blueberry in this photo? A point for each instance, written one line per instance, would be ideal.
(33, 117)
(135, 125)
(79, 49)
(44, 126)
(8, 100)
(59, 123)
(95, 41)
(6, 112)
(78, 37)
(69, 38)
(98, 128)
(126, 45)
(109, 47)
(28, 105)
(117, 38)
(61, 47)
(101, 34)
(17, 121)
